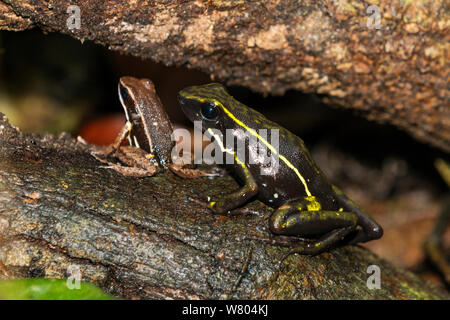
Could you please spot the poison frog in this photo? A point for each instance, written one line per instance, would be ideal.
(306, 204)
(149, 132)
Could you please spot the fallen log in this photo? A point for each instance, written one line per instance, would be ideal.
(144, 238)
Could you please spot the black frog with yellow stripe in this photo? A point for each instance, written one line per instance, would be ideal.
(287, 179)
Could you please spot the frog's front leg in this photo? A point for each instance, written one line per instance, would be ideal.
(113, 147)
(179, 168)
(294, 218)
(239, 197)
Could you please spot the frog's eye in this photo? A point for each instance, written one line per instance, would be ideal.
(124, 93)
(210, 111)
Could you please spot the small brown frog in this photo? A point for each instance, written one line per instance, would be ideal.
(149, 132)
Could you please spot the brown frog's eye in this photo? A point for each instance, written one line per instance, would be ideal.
(210, 111)
(124, 93)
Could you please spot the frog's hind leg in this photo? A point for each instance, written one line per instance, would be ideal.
(323, 244)
(113, 147)
(371, 230)
(131, 171)
(292, 219)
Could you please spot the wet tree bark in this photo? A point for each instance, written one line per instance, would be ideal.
(391, 67)
(145, 237)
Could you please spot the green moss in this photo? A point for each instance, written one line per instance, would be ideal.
(49, 289)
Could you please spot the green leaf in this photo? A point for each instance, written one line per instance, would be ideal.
(49, 289)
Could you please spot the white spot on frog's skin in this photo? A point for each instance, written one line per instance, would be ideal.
(155, 124)
(275, 195)
(2, 127)
(264, 185)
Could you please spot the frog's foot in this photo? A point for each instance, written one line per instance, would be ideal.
(245, 211)
(206, 202)
(368, 228)
(199, 198)
(182, 171)
(131, 171)
(232, 202)
(137, 162)
(281, 241)
(323, 244)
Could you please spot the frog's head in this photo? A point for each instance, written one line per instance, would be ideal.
(205, 105)
(132, 94)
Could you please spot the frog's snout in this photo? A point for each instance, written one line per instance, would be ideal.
(180, 99)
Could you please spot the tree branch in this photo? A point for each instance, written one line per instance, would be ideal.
(397, 74)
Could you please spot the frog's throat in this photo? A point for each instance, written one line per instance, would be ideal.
(255, 134)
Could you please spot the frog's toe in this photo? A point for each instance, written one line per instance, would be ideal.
(201, 196)
(367, 235)
(245, 211)
(309, 249)
(130, 171)
(188, 173)
(323, 244)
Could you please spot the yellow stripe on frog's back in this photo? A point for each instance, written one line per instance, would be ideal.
(254, 133)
